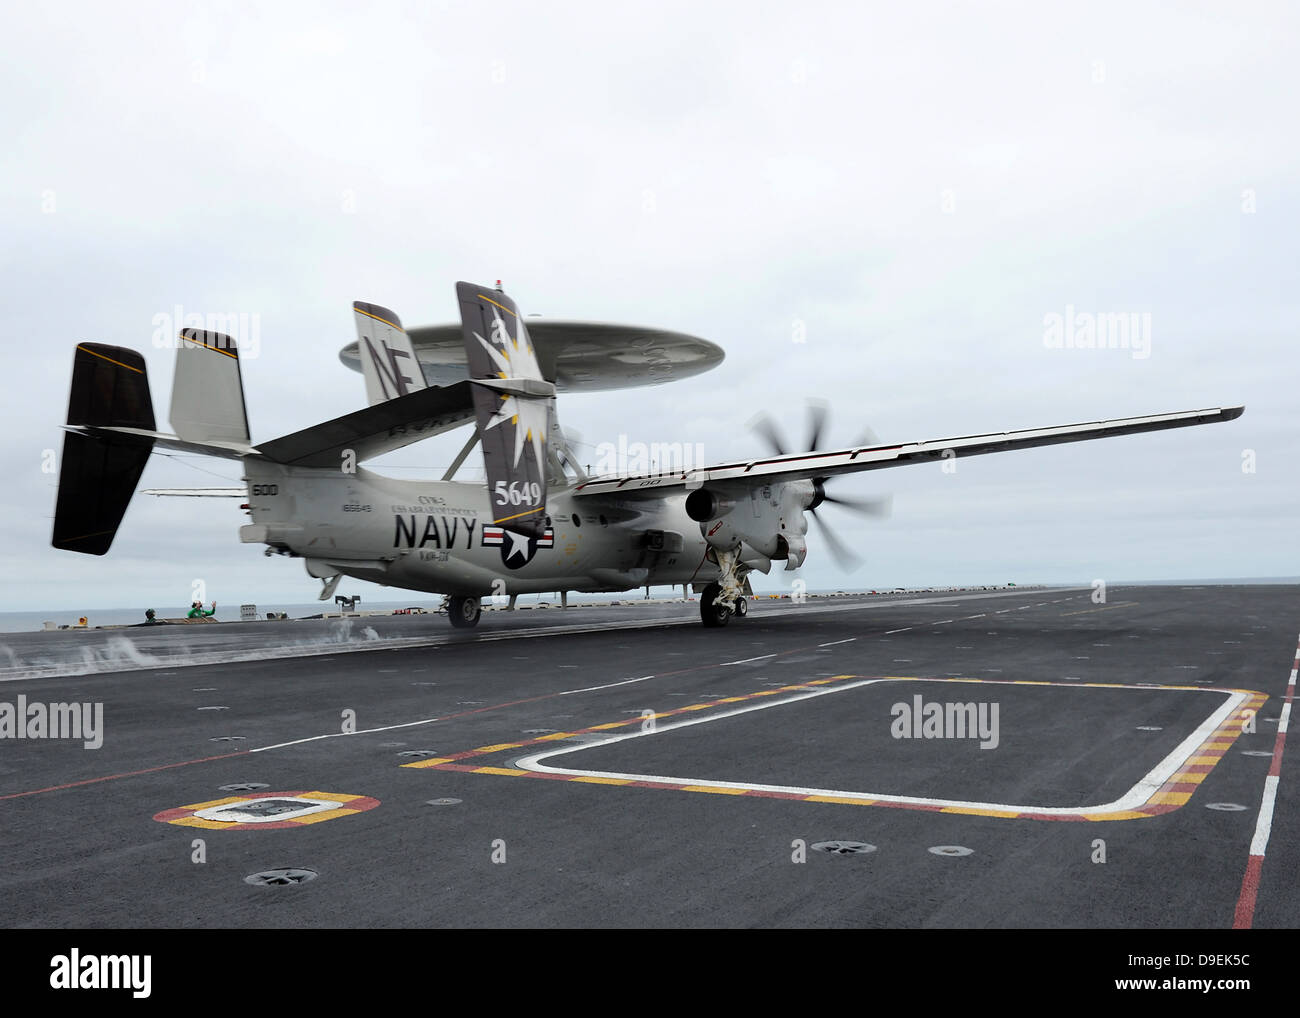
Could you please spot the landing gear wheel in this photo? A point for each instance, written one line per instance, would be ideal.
(464, 612)
(742, 607)
(713, 615)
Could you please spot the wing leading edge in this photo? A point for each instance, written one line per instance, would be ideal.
(845, 461)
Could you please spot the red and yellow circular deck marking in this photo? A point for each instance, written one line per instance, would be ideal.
(347, 805)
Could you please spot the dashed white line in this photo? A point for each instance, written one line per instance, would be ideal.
(422, 721)
(1264, 824)
(1244, 915)
(608, 685)
(345, 735)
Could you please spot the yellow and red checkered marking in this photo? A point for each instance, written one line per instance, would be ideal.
(348, 805)
(1182, 783)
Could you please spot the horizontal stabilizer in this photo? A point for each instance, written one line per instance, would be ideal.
(208, 393)
(375, 430)
(241, 492)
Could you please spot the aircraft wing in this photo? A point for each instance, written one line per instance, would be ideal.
(800, 466)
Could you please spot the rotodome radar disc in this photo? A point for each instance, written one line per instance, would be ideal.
(577, 356)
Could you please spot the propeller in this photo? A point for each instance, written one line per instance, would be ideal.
(818, 419)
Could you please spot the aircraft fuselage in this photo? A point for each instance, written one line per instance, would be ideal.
(438, 536)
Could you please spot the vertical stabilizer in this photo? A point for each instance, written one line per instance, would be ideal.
(208, 391)
(512, 404)
(387, 357)
(99, 470)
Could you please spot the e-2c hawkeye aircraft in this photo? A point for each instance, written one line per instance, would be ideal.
(540, 524)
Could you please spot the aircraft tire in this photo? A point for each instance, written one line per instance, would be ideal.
(742, 607)
(713, 615)
(464, 612)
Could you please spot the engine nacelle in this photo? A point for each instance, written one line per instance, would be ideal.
(703, 505)
(795, 549)
(724, 534)
(770, 520)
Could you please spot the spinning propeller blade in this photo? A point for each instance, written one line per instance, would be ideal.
(818, 422)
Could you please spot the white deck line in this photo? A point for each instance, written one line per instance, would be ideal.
(1137, 796)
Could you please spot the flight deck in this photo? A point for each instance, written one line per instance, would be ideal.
(1014, 758)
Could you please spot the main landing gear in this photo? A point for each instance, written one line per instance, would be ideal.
(464, 612)
(714, 613)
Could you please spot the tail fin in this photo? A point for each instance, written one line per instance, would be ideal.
(208, 391)
(99, 471)
(513, 406)
(387, 357)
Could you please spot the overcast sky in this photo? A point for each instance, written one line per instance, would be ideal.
(921, 186)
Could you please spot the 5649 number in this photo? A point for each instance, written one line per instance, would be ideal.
(518, 493)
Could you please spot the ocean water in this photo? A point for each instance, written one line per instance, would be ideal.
(34, 621)
(26, 622)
